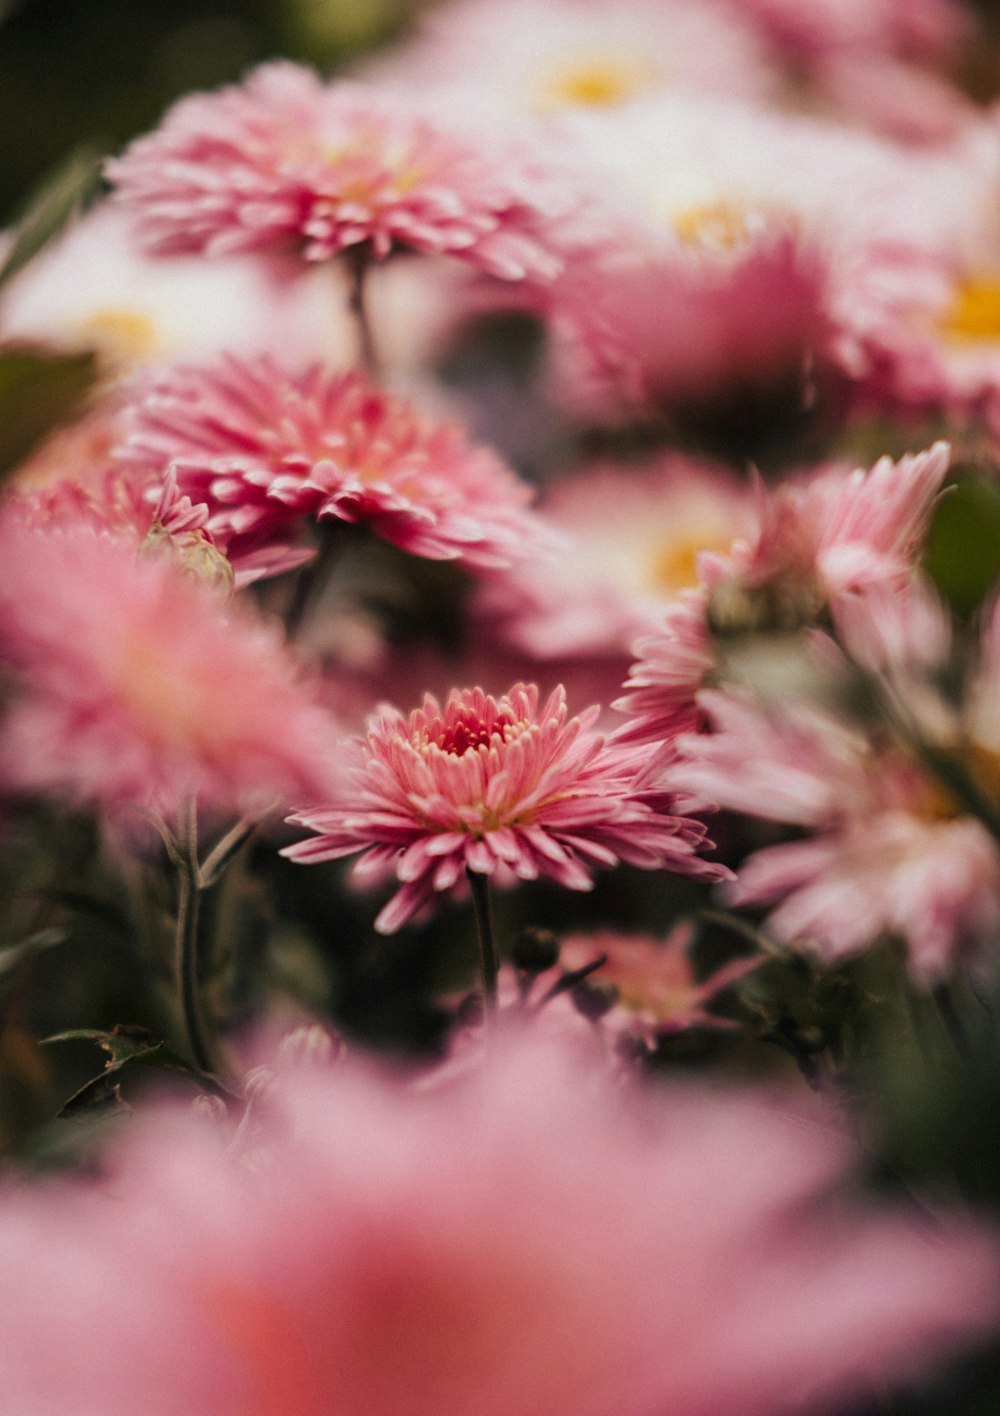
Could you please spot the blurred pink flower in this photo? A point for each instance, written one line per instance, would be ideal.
(266, 447)
(657, 991)
(498, 787)
(541, 56)
(890, 854)
(138, 685)
(672, 666)
(286, 162)
(727, 315)
(527, 1239)
(632, 536)
(91, 288)
(885, 63)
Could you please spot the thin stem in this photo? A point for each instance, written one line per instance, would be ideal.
(188, 902)
(953, 1024)
(358, 265)
(224, 850)
(489, 954)
(313, 577)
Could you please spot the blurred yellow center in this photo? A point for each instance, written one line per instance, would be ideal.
(674, 564)
(128, 336)
(598, 82)
(975, 311)
(722, 224)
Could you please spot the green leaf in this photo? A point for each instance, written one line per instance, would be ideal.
(127, 1048)
(963, 549)
(50, 206)
(38, 391)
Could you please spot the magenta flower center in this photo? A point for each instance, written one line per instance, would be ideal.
(468, 730)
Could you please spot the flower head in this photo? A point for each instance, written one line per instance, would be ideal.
(138, 685)
(543, 56)
(819, 541)
(633, 536)
(265, 447)
(284, 162)
(497, 786)
(528, 1239)
(888, 852)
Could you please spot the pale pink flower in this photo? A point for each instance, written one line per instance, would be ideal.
(889, 853)
(285, 162)
(632, 534)
(91, 288)
(265, 447)
(138, 685)
(499, 787)
(542, 56)
(524, 1240)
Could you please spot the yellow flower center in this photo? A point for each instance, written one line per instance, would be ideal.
(724, 224)
(598, 82)
(674, 564)
(126, 336)
(975, 311)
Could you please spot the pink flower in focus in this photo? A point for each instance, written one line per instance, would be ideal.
(498, 787)
(265, 448)
(524, 1240)
(285, 162)
(889, 853)
(139, 686)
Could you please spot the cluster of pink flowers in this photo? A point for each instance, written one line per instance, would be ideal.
(620, 352)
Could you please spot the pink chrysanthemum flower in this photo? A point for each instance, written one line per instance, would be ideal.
(657, 991)
(840, 530)
(528, 1239)
(889, 852)
(139, 686)
(633, 534)
(283, 161)
(727, 315)
(265, 447)
(498, 787)
(819, 540)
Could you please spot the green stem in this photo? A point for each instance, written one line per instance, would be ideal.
(953, 1024)
(489, 954)
(186, 956)
(358, 265)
